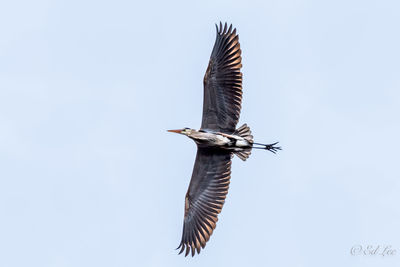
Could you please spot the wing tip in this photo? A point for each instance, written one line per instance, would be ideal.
(189, 249)
(224, 29)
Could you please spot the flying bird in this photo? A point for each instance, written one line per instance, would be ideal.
(217, 141)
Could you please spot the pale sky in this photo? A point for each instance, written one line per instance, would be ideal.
(90, 177)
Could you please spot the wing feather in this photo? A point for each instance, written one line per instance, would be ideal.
(223, 83)
(205, 197)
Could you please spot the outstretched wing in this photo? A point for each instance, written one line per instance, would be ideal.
(205, 197)
(223, 83)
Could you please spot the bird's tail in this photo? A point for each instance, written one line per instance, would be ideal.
(243, 154)
(245, 132)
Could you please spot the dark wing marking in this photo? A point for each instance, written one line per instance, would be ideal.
(223, 83)
(205, 197)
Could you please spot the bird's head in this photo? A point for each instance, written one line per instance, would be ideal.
(185, 131)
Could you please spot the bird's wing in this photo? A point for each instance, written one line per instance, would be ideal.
(223, 83)
(205, 197)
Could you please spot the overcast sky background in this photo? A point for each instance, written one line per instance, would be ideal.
(90, 177)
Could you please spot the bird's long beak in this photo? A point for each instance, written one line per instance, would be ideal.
(174, 131)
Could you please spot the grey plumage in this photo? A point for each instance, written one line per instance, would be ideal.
(217, 141)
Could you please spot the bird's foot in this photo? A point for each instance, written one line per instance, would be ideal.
(273, 148)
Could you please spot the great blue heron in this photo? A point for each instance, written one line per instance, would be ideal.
(217, 141)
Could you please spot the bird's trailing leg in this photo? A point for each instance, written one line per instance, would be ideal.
(270, 147)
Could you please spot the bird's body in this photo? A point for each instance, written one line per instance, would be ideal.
(210, 139)
(231, 142)
(217, 141)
